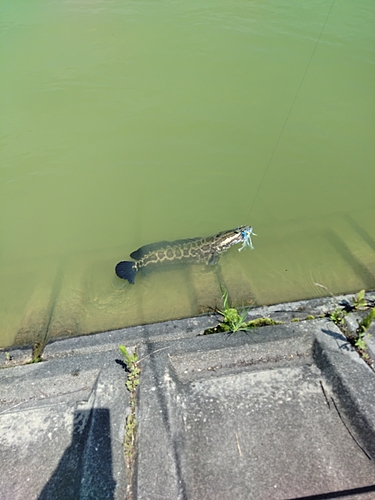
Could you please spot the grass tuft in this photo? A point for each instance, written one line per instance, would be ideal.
(234, 321)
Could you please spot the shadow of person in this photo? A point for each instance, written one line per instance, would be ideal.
(85, 469)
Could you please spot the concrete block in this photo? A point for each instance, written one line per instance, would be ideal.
(247, 416)
(62, 429)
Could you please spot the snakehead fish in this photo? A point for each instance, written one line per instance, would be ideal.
(194, 251)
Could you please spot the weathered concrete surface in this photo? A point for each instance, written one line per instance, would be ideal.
(61, 429)
(279, 412)
(255, 416)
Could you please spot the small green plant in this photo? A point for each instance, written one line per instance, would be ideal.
(131, 362)
(363, 326)
(359, 301)
(360, 342)
(338, 316)
(233, 321)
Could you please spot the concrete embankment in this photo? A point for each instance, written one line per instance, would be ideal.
(279, 412)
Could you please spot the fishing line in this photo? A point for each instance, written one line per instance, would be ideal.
(290, 110)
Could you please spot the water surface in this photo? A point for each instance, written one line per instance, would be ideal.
(129, 122)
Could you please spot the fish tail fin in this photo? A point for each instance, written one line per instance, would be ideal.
(126, 270)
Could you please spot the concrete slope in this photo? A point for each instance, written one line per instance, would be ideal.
(279, 412)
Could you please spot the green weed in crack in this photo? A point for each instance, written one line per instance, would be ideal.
(338, 315)
(363, 326)
(234, 321)
(131, 362)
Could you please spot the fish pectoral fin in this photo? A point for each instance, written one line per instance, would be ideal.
(126, 270)
(213, 259)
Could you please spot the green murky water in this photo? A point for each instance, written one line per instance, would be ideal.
(129, 122)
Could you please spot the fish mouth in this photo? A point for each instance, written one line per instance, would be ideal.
(246, 232)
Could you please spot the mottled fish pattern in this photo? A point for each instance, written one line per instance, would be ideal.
(194, 251)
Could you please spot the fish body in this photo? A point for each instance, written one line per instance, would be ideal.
(189, 251)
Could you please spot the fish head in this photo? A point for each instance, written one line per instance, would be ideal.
(226, 239)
